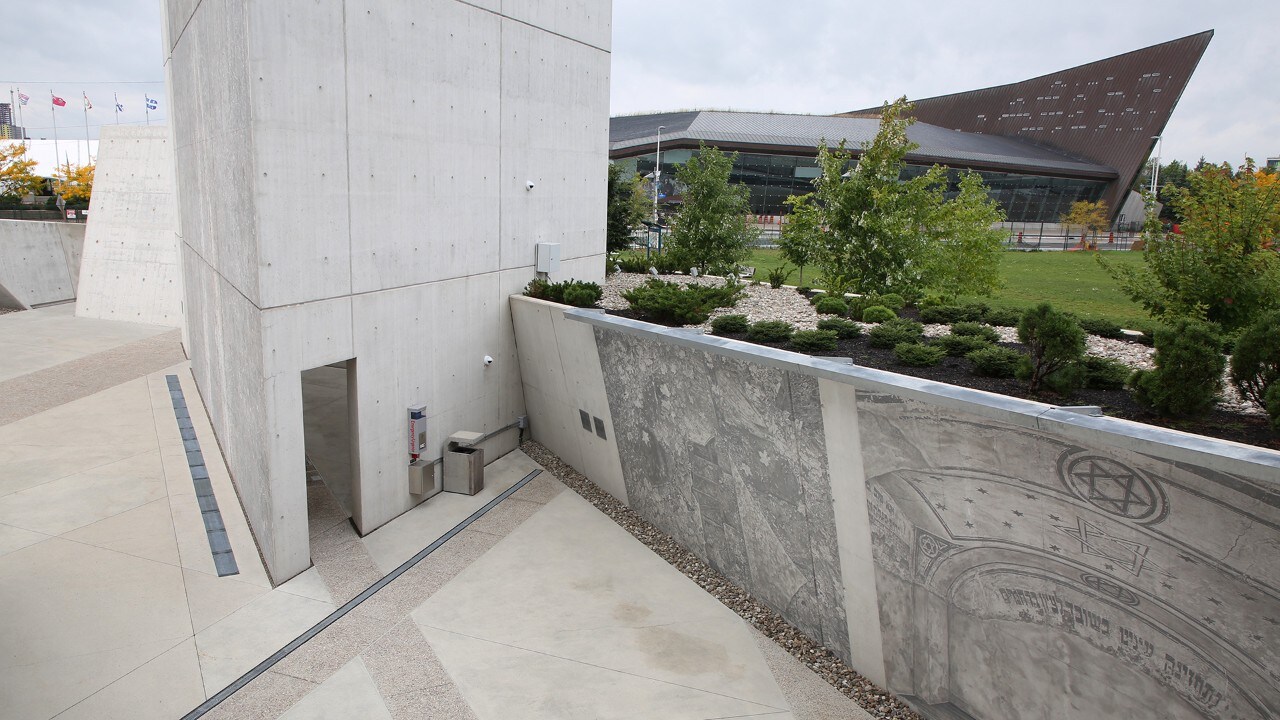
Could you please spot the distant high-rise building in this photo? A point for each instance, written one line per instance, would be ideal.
(8, 130)
(1273, 164)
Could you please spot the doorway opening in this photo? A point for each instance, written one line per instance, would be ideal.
(331, 446)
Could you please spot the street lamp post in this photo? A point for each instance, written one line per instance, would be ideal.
(657, 174)
(1155, 164)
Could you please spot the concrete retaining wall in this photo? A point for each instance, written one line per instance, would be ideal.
(39, 262)
(130, 268)
(982, 556)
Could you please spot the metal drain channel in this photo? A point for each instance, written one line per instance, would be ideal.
(224, 560)
(351, 604)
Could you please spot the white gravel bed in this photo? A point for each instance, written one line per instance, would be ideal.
(765, 303)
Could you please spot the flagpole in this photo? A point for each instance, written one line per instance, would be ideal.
(53, 110)
(117, 98)
(88, 149)
(146, 105)
(22, 124)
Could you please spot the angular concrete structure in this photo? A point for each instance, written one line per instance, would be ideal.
(39, 262)
(130, 268)
(367, 181)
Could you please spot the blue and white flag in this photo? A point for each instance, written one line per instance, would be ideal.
(152, 103)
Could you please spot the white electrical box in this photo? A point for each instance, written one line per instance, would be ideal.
(548, 257)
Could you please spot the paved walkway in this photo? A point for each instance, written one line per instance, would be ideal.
(542, 608)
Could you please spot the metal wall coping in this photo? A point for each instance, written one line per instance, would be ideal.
(1220, 455)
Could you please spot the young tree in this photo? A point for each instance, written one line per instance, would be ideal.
(1224, 266)
(712, 227)
(966, 258)
(1091, 216)
(802, 234)
(16, 177)
(627, 206)
(73, 182)
(884, 234)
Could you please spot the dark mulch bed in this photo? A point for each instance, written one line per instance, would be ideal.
(1237, 427)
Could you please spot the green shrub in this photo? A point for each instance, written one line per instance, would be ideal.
(582, 294)
(1003, 317)
(827, 305)
(814, 340)
(898, 330)
(936, 299)
(857, 304)
(961, 345)
(995, 361)
(948, 314)
(976, 329)
(893, 301)
(1188, 373)
(1102, 328)
(804, 290)
(1066, 379)
(1104, 373)
(842, 328)
(726, 324)
(568, 292)
(878, 314)
(672, 303)
(770, 331)
(1272, 403)
(1255, 360)
(778, 275)
(1054, 339)
(918, 354)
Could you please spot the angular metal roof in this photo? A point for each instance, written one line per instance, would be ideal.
(801, 134)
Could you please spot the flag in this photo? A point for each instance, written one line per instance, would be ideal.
(22, 98)
(151, 102)
(87, 105)
(59, 101)
(119, 107)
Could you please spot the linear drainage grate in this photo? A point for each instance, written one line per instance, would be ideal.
(224, 560)
(351, 604)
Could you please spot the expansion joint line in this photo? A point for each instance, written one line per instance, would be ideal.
(351, 604)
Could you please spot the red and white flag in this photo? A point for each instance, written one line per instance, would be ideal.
(87, 105)
(59, 101)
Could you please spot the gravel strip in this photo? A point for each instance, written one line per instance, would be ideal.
(875, 700)
(765, 303)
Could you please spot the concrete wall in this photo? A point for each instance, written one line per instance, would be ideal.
(39, 262)
(986, 557)
(352, 184)
(130, 270)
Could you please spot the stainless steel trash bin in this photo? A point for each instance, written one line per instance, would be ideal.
(464, 464)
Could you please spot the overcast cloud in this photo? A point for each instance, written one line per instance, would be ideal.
(804, 56)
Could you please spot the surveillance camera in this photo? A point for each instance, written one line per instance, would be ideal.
(528, 184)
(488, 360)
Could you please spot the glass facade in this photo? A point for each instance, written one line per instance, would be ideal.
(771, 178)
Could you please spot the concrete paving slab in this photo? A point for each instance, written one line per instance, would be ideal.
(211, 598)
(231, 647)
(87, 497)
(308, 584)
(42, 338)
(398, 540)
(590, 595)
(349, 693)
(145, 532)
(13, 538)
(164, 688)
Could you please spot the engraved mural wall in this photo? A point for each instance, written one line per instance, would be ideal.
(1021, 575)
(1014, 572)
(728, 457)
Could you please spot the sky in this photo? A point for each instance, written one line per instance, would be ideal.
(803, 56)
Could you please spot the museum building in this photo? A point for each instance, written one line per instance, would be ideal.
(1040, 145)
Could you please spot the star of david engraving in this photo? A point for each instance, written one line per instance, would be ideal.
(1112, 487)
(1128, 555)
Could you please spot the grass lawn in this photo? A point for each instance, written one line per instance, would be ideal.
(1069, 280)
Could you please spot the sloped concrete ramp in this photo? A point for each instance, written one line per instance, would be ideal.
(38, 262)
(130, 266)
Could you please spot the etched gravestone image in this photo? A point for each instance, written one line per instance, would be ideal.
(1022, 576)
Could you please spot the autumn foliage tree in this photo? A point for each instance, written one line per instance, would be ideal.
(16, 176)
(1090, 216)
(74, 182)
(1224, 265)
